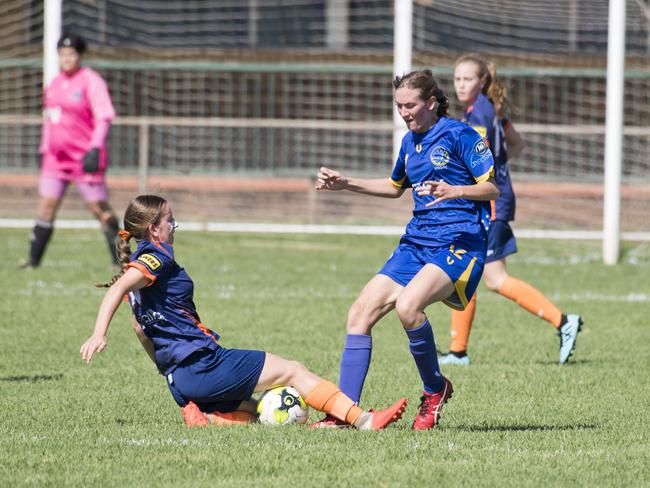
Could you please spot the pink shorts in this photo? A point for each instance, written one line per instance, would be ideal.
(54, 185)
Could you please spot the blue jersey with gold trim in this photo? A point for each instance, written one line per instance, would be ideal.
(483, 118)
(453, 152)
(165, 309)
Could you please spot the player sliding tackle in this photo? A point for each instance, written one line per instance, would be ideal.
(212, 384)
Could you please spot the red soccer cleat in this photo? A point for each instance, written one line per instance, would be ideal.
(329, 422)
(193, 416)
(431, 407)
(383, 418)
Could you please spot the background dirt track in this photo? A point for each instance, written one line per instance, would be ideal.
(540, 205)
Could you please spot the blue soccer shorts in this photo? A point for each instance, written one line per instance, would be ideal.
(501, 241)
(462, 261)
(217, 380)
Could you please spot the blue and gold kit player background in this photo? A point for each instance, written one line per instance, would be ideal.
(451, 234)
(482, 116)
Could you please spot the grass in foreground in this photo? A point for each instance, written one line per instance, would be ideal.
(517, 418)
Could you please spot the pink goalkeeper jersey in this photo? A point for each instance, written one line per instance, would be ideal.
(77, 114)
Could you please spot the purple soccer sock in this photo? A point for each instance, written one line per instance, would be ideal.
(423, 349)
(355, 362)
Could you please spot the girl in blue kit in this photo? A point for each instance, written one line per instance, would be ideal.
(207, 380)
(441, 254)
(486, 102)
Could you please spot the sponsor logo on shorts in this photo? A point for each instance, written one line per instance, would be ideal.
(439, 157)
(150, 260)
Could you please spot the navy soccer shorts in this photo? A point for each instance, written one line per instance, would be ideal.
(501, 241)
(217, 380)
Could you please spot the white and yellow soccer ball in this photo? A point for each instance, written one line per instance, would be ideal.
(282, 405)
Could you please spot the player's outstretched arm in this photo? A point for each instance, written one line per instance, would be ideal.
(131, 280)
(329, 179)
(485, 190)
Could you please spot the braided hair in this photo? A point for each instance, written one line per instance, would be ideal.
(143, 211)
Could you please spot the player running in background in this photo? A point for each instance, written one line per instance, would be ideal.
(440, 256)
(208, 381)
(78, 112)
(486, 102)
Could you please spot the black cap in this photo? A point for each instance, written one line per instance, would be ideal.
(74, 41)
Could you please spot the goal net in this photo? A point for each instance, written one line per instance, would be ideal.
(266, 91)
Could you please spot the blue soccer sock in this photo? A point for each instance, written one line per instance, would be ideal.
(423, 349)
(355, 362)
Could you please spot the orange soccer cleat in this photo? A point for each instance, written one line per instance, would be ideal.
(193, 416)
(238, 417)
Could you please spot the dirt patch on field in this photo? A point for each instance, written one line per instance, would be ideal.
(293, 200)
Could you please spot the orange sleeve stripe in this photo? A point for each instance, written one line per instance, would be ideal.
(206, 331)
(143, 269)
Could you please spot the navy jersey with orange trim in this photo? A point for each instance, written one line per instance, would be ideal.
(483, 118)
(165, 309)
(453, 152)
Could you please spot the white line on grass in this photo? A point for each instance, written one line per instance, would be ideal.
(387, 230)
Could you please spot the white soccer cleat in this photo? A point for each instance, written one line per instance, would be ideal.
(568, 336)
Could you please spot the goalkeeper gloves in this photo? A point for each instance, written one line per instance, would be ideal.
(91, 161)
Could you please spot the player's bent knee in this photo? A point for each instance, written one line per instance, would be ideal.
(493, 284)
(361, 314)
(407, 312)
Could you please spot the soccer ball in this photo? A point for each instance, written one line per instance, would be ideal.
(282, 405)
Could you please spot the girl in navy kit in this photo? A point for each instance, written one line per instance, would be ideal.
(486, 103)
(208, 381)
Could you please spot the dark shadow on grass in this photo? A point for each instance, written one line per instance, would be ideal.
(524, 428)
(33, 378)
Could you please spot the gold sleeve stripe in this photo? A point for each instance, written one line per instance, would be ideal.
(397, 184)
(485, 176)
(482, 131)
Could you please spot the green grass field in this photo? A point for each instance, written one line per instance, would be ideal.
(516, 419)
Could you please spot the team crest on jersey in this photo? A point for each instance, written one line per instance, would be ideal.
(439, 157)
(76, 94)
(418, 148)
(481, 147)
(150, 260)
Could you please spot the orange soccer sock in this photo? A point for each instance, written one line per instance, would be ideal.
(531, 299)
(461, 325)
(328, 398)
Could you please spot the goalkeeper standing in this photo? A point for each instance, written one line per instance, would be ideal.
(485, 100)
(77, 116)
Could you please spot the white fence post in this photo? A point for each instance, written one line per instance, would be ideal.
(614, 131)
(402, 54)
(51, 34)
